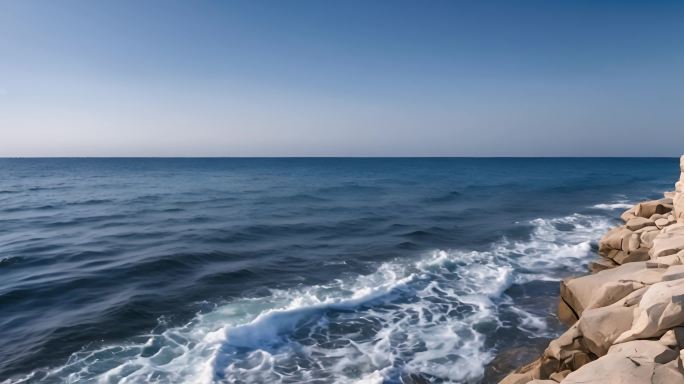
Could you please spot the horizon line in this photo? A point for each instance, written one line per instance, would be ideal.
(338, 157)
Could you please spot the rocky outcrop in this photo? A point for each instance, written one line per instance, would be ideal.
(626, 318)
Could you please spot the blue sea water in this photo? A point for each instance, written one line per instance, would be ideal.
(318, 270)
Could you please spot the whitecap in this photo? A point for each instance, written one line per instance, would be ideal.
(409, 317)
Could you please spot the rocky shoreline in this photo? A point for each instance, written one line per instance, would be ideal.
(626, 318)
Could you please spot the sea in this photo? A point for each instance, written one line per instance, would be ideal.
(296, 270)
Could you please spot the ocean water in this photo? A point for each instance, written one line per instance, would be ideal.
(295, 270)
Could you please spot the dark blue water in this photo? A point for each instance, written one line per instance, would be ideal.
(294, 270)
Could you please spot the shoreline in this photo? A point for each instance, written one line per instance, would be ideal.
(625, 318)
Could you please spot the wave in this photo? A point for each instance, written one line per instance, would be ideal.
(613, 206)
(424, 318)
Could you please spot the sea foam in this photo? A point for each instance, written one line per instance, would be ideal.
(409, 318)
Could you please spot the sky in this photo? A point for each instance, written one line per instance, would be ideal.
(341, 78)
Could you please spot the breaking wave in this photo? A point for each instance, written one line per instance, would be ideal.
(422, 318)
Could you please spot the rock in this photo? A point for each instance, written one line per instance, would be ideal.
(679, 204)
(538, 369)
(613, 368)
(632, 362)
(646, 237)
(566, 314)
(612, 292)
(634, 243)
(660, 308)
(674, 272)
(662, 223)
(638, 223)
(633, 298)
(559, 376)
(639, 254)
(601, 264)
(613, 240)
(669, 241)
(669, 373)
(579, 292)
(516, 378)
(649, 208)
(667, 261)
(628, 214)
(601, 326)
(674, 338)
(565, 345)
(646, 351)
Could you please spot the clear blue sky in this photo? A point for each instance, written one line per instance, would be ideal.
(357, 78)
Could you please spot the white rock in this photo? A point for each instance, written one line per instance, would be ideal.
(660, 308)
(645, 351)
(669, 241)
(662, 223)
(638, 223)
(674, 272)
(628, 363)
(601, 326)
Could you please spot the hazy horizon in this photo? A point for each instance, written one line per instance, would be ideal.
(345, 79)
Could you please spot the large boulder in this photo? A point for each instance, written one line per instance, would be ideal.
(612, 368)
(632, 255)
(669, 241)
(660, 308)
(613, 240)
(566, 353)
(669, 373)
(628, 214)
(674, 338)
(634, 362)
(645, 351)
(673, 272)
(638, 223)
(647, 235)
(580, 293)
(602, 264)
(541, 368)
(662, 222)
(647, 209)
(600, 327)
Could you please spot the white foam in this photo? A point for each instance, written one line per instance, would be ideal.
(613, 206)
(408, 317)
